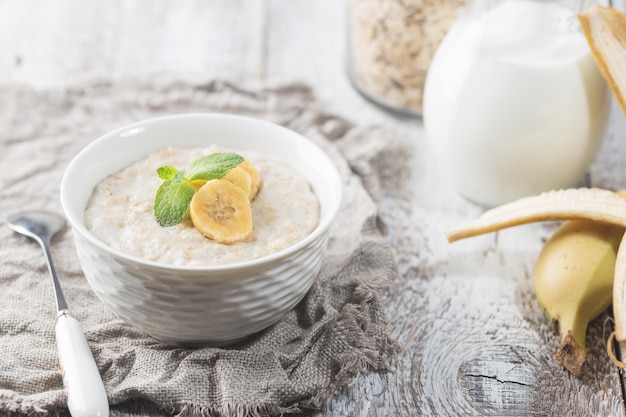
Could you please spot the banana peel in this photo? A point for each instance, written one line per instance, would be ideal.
(591, 238)
(595, 204)
(605, 31)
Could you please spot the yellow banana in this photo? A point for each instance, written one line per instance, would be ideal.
(221, 211)
(576, 270)
(573, 282)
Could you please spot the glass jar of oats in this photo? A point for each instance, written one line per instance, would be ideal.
(391, 44)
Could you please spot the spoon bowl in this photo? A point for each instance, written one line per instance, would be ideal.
(36, 224)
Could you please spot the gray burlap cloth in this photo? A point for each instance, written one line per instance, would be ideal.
(338, 331)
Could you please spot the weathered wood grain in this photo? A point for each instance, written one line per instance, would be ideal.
(475, 340)
(51, 43)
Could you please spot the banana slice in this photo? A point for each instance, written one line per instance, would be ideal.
(221, 211)
(605, 31)
(255, 177)
(196, 184)
(595, 204)
(241, 179)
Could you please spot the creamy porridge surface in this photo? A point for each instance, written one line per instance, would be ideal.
(120, 212)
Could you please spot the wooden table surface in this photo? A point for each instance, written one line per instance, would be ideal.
(475, 339)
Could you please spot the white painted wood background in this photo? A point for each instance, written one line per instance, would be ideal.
(475, 339)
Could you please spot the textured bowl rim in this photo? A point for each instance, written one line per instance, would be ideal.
(78, 225)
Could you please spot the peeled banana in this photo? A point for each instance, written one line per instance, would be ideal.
(581, 268)
(573, 282)
(221, 211)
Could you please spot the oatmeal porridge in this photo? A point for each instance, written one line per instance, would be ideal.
(120, 212)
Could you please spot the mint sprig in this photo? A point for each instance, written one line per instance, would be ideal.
(174, 196)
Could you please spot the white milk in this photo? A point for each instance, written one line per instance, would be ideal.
(516, 108)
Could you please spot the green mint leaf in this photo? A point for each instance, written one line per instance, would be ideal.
(167, 173)
(213, 166)
(172, 201)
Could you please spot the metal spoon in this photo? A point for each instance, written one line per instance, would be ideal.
(86, 396)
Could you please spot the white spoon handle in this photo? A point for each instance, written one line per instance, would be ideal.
(86, 396)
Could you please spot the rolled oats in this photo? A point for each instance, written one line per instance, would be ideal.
(392, 44)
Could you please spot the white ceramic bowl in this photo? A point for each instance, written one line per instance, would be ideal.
(196, 306)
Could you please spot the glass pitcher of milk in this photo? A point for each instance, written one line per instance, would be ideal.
(514, 101)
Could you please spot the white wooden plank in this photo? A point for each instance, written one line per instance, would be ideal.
(51, 43)
(197, 40)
